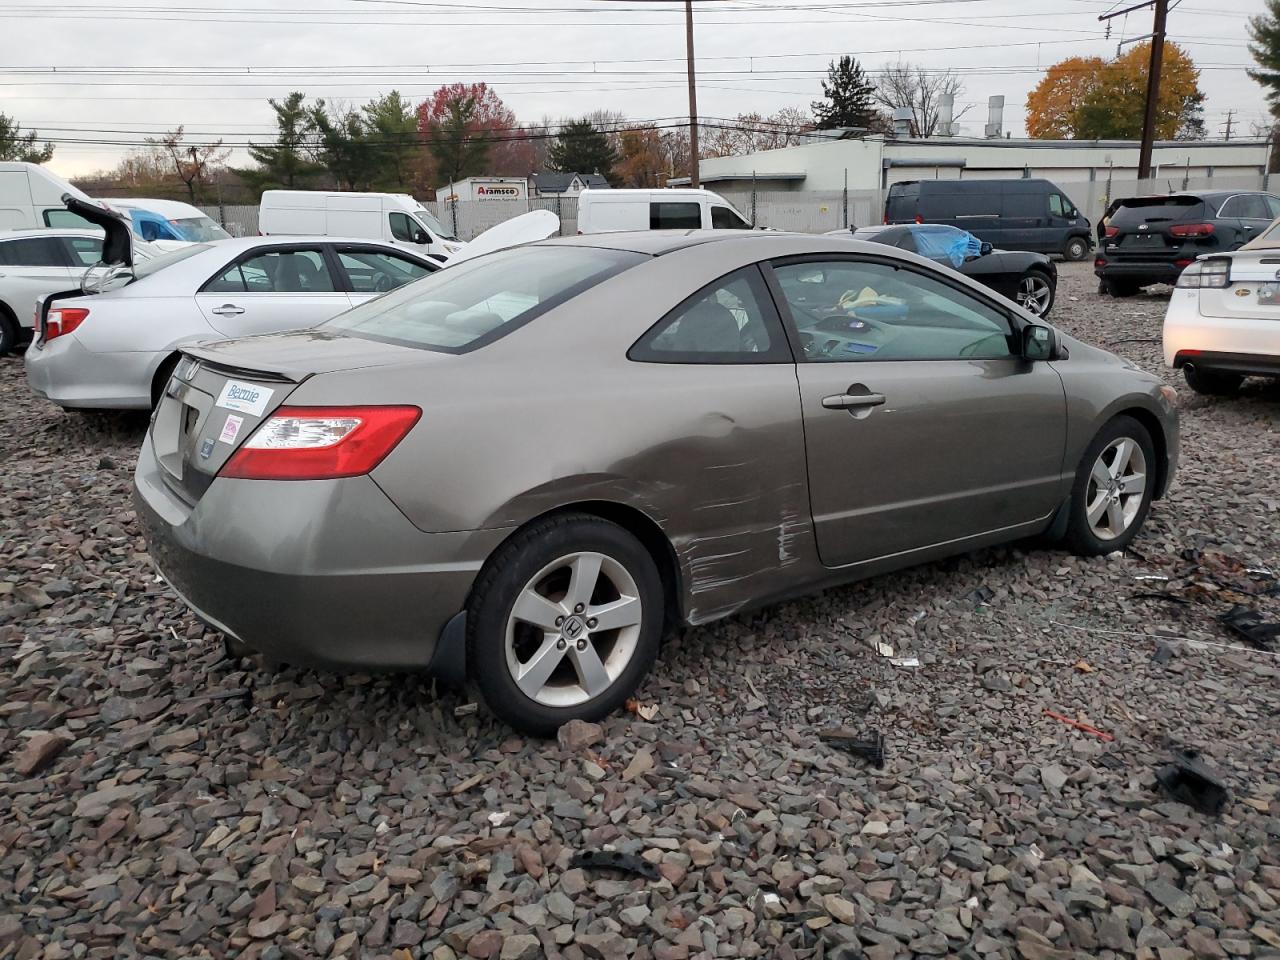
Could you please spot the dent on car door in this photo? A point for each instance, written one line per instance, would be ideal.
(922, 425)
(715, 379)
(265, 291)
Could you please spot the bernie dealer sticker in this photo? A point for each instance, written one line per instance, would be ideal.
(245, 397)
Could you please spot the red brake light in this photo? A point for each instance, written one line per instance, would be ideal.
(1183, 264)
(1191, 230)
(919, 219)
(320, 443)
(1111, 231)
(1099, 261)
(62, 320)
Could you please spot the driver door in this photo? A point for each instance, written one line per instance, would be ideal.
(371, 271)
(922, 425)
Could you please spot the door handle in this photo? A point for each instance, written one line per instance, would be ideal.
(227, 310)
(852, 401)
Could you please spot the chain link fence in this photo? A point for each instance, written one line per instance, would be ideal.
(803, 211)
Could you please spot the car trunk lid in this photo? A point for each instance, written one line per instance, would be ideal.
(220, 392)
(1253, 289)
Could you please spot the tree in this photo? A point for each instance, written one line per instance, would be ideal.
(286, 162)
(642, 161)
(1052, 105)
(580, 147)
(1264, 31)
(391, 129)
(849, 97)
(190, 162)
(1113, 107)
(470, 131)
(750, 132)
(1087, 98)
(16, 145)
(904, 86)
(343, 147)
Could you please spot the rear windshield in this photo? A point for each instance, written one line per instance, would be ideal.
(199, 229)
(466, 306)
(145, 268)
(1156, 210)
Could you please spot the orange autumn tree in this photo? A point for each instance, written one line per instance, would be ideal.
(1089, 98)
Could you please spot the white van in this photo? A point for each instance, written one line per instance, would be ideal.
(605, 211)
(31, 197)
(394, 217)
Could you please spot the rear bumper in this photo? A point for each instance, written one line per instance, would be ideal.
(1141, 271)
(1247, 345)
(316, 573)
(63, 371)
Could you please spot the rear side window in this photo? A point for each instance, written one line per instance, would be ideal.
(275, 271)
(478, 301)
(730, 321)
(666, 215)
(1246, 206)
(32, 252)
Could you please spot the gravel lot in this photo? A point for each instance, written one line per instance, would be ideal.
(205, 807)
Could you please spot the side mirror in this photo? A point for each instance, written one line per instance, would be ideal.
(1037, 342)
(986, 248)
(420, 236)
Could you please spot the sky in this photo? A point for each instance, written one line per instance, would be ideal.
(120, 70)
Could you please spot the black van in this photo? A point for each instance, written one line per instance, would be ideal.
(1010, 214)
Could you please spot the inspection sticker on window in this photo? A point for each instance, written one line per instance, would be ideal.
(245, 397)
(230, 429)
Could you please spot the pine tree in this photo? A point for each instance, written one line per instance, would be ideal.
(285, 163)
(848, 95)
(580, 148)
(16, 145)
(1264, 31)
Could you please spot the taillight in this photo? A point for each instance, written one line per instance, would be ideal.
(320, 443)
(1099, 261)
(1200, 274)
(63, 320)
(919, 219)
(1110, 231)
(1191, 230)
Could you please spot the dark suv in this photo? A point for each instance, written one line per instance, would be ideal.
(1151, 239)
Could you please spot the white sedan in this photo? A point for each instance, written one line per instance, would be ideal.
(1223, 321)
(114, 350)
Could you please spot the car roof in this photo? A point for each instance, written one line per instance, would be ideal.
(171, 209)
(654, 243)
(50, 232)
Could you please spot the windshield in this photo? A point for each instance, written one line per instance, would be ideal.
(434, 225)
(141, 270)
(466, 306)
(199, 230)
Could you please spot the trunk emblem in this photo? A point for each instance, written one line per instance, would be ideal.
(1142, 226)
(1242, 292)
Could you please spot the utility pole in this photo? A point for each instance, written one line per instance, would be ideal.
(1153, 78)
(1230, 117)
(693, 96)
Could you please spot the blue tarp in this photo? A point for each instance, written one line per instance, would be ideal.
(946, 244)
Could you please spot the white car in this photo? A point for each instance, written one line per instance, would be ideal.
(115, 349)
(34, 263)
(1223, 321)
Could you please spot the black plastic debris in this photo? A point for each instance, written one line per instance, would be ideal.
(1249, 626)
(1188, 780)
(869, 746)
(1109, 760)
(614, 860)
(982, 595)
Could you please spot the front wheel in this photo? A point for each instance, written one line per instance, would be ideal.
(1077, 248)
(8, 332)
(1035, 293)
(1113, 488)
(564, 623)
(1212, 383)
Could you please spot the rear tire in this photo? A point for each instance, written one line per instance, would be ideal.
(9, 332)
(1113, 488)
(533, 647)
(1212, 383)
(1123, 288)
(1077, 249)
(163, 373)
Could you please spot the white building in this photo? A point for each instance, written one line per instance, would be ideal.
(873, 163)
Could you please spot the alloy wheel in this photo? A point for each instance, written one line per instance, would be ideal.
(573, 629)
(1035, 294)
(1116, 487)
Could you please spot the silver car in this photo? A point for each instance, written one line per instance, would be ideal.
(526, 469)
